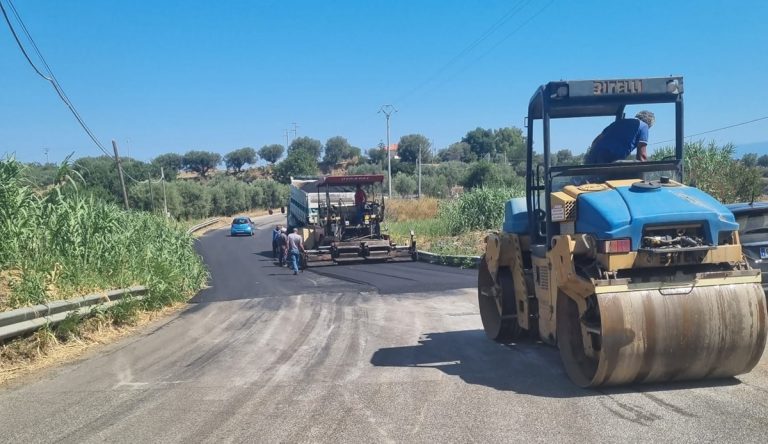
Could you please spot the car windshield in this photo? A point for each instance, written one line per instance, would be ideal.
(240, 221)
(753, 224)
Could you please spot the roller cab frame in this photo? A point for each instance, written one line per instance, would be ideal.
(347, 233)
(633, 275)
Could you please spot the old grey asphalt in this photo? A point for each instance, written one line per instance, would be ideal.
(363, 353)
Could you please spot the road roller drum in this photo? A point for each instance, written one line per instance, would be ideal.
(647, 336)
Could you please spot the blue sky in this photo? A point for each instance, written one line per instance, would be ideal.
(165, 76)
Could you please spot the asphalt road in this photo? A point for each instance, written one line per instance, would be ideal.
(362, 353)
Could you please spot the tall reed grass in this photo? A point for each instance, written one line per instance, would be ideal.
(62, 243)
(478, 209)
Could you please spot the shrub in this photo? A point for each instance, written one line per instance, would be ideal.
(478, 209)
(711, 168)
(404, 184)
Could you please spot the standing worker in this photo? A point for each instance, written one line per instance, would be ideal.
(360, 199)
(275, 240)
(283, 247)
(295, 249)
(621, 138)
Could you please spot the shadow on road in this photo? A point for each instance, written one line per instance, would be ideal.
(526, 367)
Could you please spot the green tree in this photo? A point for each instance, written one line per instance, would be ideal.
(236, 159)
(454, 172)
(749, 159)
(481, 142)
(459, 151)
(509, 141)
(435, 186)
(298, 163)
(271, 153)
(411, 145)
(337, 149)
(201, 162)
(311, 146)
(763, 161)
(171, 163)
(404, 184)
(563, 157)
(377, 155)
(483, 174)
(195, 200)
(41, 175)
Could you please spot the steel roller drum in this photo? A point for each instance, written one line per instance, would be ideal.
(667, 335)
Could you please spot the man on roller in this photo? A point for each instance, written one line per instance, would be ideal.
(620, 138)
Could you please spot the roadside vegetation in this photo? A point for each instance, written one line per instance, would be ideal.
(458, 225)
(452, 227)
(62, 242)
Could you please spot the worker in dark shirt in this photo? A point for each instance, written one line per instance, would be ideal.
(360, 199)
(620, 138)
(275, 241)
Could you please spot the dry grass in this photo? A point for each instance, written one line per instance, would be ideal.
(44, 349)
(411, 209)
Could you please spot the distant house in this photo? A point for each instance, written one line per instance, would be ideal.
(393, 150)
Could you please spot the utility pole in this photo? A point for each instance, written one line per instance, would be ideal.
(120, 173)
(387, 110)
(287, 132)
(295, 130)
(419, 195)
(151, 195)
(165, 198)
(45, 150)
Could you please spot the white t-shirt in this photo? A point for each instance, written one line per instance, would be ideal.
(295, 242)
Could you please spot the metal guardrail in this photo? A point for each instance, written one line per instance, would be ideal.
(202, 225)
(454, 261)
(28, 319)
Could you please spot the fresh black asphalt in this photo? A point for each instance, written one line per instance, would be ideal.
(242, 268)
(357, 353)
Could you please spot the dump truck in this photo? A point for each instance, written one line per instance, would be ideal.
(336, 229)
(633, 275)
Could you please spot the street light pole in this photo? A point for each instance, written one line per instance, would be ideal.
(387, 110)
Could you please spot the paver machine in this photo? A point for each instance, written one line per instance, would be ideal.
(350, 231)
(633, 275)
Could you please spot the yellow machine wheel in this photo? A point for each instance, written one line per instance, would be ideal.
(655, 335)
(497, 304)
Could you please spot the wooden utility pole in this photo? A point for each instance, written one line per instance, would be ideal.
(151, 195)
(120, 173)
(165, 199)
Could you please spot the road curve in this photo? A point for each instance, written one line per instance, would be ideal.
(361, 353)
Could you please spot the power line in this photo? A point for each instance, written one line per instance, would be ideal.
(514, 31)
(487, 33)
(715, 130)
(51, 78)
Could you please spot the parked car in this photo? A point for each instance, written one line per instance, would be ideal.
(241, 226)
(753, 233)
